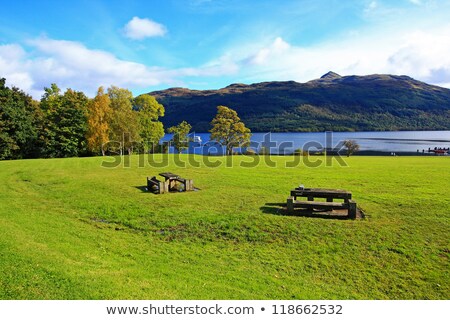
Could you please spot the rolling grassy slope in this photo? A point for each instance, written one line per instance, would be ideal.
(71, 229)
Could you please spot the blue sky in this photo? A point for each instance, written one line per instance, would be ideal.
(209, 44)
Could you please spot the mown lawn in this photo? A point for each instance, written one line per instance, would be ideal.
(71, 229)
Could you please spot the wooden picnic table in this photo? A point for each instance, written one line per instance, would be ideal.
(169, 184)
(327, 194)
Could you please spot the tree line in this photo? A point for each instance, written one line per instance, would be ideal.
(70, 124)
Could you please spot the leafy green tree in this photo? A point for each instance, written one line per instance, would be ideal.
(180, 138)
(125, 126)
(229, 130)
(150, 110)
(352, 146)
(18, 116)
(99, 114)
(51, 108)
(74, 123)
(64, 122)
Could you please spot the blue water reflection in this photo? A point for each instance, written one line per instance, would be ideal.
(392, 141)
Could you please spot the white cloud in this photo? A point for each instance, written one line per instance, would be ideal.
(372, 6)
(271, 52)
(71, 64)
(421, 54)
(417, 2)
(138, 29)
(13, 68)
(225, 65)
(425, 56)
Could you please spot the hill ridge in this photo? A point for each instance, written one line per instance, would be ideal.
(331, 102)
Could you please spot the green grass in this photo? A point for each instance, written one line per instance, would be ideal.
(71, 229)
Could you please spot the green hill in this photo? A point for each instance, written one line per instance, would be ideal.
(374, 102)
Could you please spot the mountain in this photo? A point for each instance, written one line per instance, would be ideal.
(330, 76)
(332, 102)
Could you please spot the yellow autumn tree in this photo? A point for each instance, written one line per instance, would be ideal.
(125, 127)
(229, 130)
(99, 112)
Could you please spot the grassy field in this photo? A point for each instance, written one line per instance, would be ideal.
(71, 229)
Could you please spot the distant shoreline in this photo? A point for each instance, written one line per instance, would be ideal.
(380, 143)
(395, 153)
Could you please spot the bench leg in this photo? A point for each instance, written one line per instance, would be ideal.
(329, 199)
(351, 209)
(150, 183)
(310, 198)
(290, 204)
(163, 187)
(160, 187)
(167, 186)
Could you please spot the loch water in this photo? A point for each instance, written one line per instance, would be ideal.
(369, 141)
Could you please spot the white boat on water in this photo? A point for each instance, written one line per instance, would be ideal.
(196, 139)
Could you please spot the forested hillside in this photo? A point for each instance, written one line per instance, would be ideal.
(374, 102)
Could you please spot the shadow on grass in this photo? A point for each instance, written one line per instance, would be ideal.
(153, 191)
(143, 189)
(280, 210)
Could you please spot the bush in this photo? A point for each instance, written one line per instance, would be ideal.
(250, 152)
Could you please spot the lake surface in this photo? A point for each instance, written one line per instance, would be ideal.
(386, 141)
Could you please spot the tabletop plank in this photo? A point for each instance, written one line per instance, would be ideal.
(169, 175)
(322, 193)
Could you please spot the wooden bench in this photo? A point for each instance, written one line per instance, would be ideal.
(157, 186)
(188, 183)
